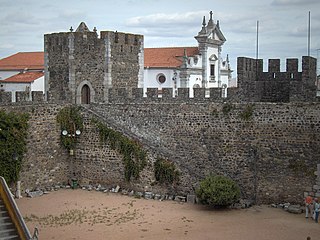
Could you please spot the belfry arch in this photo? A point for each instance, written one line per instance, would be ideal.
(85, 93)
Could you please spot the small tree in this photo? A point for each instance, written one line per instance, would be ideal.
(218, 191)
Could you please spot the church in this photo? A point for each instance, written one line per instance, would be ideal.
(201, 66)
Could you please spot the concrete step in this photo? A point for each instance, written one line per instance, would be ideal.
(8, 232)
(13, 237)
(7, 229)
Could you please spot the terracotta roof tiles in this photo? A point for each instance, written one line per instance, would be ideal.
(23, 60)
(167, 57)
(26, 77)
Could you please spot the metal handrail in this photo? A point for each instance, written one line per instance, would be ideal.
(13, 211)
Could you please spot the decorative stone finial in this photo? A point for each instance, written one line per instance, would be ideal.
(204, 21)
(210, 23)
(203, 29)
(71, 29)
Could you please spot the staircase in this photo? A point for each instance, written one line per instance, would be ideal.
(12, 225)
(7, 229)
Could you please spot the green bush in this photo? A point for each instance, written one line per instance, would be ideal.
(165, 171)
(218, 191)
(13, 142)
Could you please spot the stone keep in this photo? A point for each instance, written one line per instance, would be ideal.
(80, 66)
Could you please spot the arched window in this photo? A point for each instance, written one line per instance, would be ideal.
(85, 94)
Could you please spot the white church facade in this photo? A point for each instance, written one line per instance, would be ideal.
(189, 67)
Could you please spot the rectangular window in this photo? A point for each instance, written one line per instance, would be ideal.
(212, 70)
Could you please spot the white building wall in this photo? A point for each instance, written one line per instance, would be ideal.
(151, 81)
(15, 87)
(38, 85)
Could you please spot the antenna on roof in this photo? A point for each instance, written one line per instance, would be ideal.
(257, 41)
(309, 23)
(257, 50)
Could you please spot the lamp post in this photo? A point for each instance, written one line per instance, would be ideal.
(72, 135)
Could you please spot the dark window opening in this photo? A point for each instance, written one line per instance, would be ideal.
(212, 68)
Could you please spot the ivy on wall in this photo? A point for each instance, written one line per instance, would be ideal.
(70, 120)
(247, 113)
(13, 135)
(165, 171)
(134, 157)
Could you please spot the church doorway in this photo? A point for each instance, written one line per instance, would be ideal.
(85, 94)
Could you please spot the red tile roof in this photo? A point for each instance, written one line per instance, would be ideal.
(26, 77)
(23, 60)
(153, 57)
(167, 57)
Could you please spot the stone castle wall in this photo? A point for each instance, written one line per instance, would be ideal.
(276, 86)
(75, 59)
(45, 163)
(271, 155)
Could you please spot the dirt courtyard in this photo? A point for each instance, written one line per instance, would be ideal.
(79, 214)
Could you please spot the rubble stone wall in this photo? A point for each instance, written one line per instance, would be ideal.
(271, 150)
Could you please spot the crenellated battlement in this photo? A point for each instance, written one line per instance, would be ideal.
(274, 85)
(133, 95)
(254, 85)
(82, 58)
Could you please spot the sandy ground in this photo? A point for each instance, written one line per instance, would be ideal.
(79, 214)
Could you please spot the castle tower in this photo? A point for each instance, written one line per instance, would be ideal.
(210, 40)
(81, 67)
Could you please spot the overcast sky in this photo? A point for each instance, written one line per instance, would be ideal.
(283, 24)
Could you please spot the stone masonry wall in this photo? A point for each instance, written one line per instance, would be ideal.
(75, 59)
(272, 154)
(45, 163)
(276, 86)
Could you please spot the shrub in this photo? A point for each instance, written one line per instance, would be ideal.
(218, 191)
(165, 171)
(13, 144)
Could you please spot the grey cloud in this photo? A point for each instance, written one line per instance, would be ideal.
(20, 17)
(293, 2)
(164, 19)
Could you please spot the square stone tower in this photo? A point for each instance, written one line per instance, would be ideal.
(81, 67)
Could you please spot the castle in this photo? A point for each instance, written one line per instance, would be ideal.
(264, 134)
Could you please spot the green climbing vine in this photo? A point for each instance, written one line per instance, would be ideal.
(165, 171)
(13, 135)
(134, 157)
(247, 113)
(70, 121)
(227, 107)
(300, 167)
